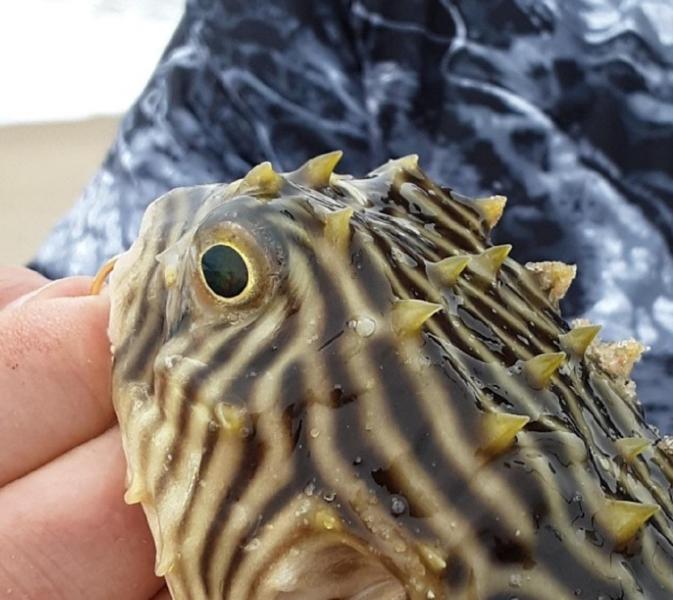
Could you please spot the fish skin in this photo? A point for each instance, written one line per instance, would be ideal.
(354, 425)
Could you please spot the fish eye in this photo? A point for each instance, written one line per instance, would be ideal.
(225, 271)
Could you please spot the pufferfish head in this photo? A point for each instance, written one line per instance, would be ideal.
(225, 313)
(331, 387)
(260, 258)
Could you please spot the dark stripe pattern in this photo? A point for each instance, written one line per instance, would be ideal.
(304, 442)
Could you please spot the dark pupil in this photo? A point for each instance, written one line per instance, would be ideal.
(224, 271)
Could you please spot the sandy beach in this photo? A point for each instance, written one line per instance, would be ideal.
(43, 168)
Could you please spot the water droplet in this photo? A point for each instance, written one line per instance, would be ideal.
(398, 506)
(357, 460)
(424, 362)
(303, 508)
(365, 326)
(515, 580)
(314, 433)
(310, 488)
(252, 545)
(329, 496)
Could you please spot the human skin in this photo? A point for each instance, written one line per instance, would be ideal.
(65, 531)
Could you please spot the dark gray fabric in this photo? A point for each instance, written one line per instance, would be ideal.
(565, 106)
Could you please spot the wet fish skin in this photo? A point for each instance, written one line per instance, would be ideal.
(391, 408)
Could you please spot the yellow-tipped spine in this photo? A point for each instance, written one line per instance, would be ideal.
(488, 263)
(408, 316)
(447, 271)
(337, 227)
(631, 447)
(99, 280)
(499, 431)
(491, 209)
(577, 340)
(408, 162)
(540, 369)
(317, 171)
(264, 178)
(623, 519)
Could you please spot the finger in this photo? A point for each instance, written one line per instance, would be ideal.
(54, 380)
(60, 288)
(17, 281)
(67, 533)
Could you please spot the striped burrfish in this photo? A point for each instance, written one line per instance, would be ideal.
(333, 387)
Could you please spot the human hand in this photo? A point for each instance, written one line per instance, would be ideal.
(65, 531)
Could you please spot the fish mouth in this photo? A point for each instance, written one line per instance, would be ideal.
(99, 280)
